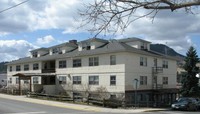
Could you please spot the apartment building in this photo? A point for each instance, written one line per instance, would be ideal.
(115, 65)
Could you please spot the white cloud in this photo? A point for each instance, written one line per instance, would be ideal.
(171, 27)
(14, 49)
(45, 40)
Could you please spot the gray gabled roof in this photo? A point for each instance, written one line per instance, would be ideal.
(111, 47)
(132, 39)
(64, 44)
(45, 49)
(94, 39)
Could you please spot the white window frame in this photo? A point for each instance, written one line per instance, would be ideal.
(143, 80)
(62, 64)
(143, 61)
(93, 61)
(77, 80)
(165, 80)
(10, 68)
(18, 67)
(35, 80)
(77, 62)
(62, 79)
(165, 64)
(112, 80)
(26, 67)
(36, 66)
(94, 80)
(17, 80)
(112, 59)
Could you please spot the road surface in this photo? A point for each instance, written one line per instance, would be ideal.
(8, 106)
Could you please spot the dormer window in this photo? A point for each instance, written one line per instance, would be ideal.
(35, 54)
(88, 47)
(55, 50)
(143, 45)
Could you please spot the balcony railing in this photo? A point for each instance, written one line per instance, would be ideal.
(157, 69)
(49, 70)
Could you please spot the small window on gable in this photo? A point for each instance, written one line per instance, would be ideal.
(88, 47)
(56, 50)
(34, 54)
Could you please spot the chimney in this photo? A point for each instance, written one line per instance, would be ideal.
(73, 41)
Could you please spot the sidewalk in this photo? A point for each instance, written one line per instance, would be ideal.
(78, 106)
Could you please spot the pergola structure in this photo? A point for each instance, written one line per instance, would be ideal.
(23, 77)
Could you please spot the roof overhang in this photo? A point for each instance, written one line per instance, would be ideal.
(34, 74)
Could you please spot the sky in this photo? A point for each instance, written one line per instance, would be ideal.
(44, 23)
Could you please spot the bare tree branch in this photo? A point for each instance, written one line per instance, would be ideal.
(111, 16)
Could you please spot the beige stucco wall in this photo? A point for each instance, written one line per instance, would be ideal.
(134, 71)
(104, 70)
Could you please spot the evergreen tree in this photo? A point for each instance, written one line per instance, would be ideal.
(190, 86)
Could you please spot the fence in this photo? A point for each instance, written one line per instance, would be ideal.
(12, 91)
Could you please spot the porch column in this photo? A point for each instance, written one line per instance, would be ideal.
(30, 84)
(20, 93)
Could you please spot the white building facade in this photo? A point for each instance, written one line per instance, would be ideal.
(98, 63)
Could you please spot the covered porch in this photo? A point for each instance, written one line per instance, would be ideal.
(47, 82)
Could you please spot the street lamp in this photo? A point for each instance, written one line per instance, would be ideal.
(197, 75)
(136, 83)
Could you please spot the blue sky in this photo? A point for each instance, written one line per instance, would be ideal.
(40, 23)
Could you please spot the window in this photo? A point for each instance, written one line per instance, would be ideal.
(26, 67)
(112, 60)
(10, 80)
(17, 80)
(143, 80)
(143, 61)
(35, 66)
(18, 68)
(10, 69)
(76, 79)
(93, 61)
(48, 80)
(62, 79)
(62, 64)
(93, 80)
(165, 80)
(143, 45)
(77, 63)
(112, 80)
(34, 54)
(55, 50)
(35, 80)
(26, 82)
(88, 47)
(165, 64)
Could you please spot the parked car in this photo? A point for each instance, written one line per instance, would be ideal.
(198, 103)
(185, 103)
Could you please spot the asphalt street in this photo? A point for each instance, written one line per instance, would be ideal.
(8, 106)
